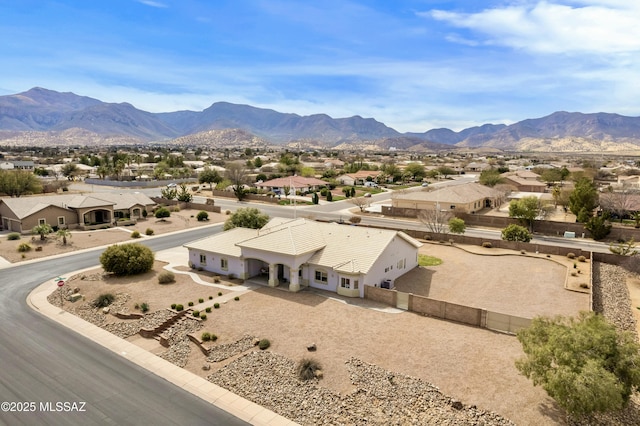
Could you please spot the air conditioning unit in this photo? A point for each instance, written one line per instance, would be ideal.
(385, 284)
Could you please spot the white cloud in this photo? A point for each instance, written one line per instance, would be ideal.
(153, 3)
(576, 27)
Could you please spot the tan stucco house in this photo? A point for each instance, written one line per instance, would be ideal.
(466, 198)
(304, 253)
(72, 211)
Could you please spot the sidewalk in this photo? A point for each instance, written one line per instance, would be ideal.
(198, 386)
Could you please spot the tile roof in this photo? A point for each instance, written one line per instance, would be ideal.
(345, 248)
(461, 194)
(292, 181)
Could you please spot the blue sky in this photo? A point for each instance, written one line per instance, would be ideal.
(411, 64)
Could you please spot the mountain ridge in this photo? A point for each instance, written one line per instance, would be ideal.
(44, 110)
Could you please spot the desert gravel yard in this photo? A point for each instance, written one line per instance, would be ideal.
(511, 284)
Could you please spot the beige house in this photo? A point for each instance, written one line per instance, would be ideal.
(358, 178)
(303, 253)
(72, 211)
(524, 181)
(466, 198)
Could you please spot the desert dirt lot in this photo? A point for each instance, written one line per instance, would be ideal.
(79, 240)
(473, 365)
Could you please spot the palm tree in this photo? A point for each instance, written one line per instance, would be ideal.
(42, 229)
(63, 233)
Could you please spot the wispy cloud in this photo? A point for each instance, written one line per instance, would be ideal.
(571, 27)
(153, 3)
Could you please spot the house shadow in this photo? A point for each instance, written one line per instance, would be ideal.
(417, 281)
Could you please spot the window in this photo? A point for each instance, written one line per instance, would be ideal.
(60, 220)
(203, 259)
(321, 277)
(355, 284)
(42, 221)
(224, 264)
(345, 282)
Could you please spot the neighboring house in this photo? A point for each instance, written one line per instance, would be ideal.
(17, 165)
(299, 183)
(524, 181)
(358, 178)
(72, 211)
(304, 253)
(477, 167)
(465, 198)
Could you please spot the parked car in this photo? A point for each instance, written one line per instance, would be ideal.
(171, 185)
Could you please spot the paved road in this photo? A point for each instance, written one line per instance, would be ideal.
(43, 362)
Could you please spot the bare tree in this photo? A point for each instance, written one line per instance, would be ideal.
(619, 202)
(237, 174)
(435, 219)
(361, 202)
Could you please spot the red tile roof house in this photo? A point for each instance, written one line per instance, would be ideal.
(305, 253)
(358, 178)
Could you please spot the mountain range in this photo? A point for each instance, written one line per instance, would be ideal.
(40, 117)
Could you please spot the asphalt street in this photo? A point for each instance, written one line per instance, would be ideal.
(56, 377)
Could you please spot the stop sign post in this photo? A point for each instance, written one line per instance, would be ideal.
(60, 284)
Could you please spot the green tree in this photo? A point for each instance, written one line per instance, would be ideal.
(210, 176)
(583, 363)
(490, 177)
(183, 194)
(457, 225)
(19, 182)
(329, 196)
(446, 171)
(70, 170)
(393, 171)
(314, 198)
(515, 232)
(583, 199)
(599, 226)
(169, 193)
(257, 162)
(63, 233)
(527, 210)
(416, 170)
(127, 259)
(43, 230)
(246, 218)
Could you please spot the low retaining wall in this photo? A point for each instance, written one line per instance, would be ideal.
(381, 295)
(198, 343)
(132, 315)
(445, 310)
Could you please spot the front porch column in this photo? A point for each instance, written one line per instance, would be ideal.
(294, 281)
(273, 275)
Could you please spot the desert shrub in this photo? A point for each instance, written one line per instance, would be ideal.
(574, 274)
(144, 213)
(196, 313)
(135, 234)
(487, 244)
(166, 277)
(173, 305)
(227, 212)
(515, 232)
(149, 231)
(13, 236)
(179, 307)
(216, 279)
(213, 337)
(103, 300)
(571, 255)
(202, 216)
(136, 306)
(355, 219)
(175, 209)
(219, 293)
(264, 344)
(582, 259)
(203, 316)
(200, 300)
(24, 247)
(205, 336)
(306, 368)
(236, 298)
(127, 259)
(162, 212)
(210, 297)
(216, 305)
(144, 307)
(190, 303)
(207, 309)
